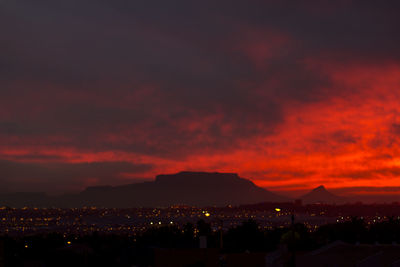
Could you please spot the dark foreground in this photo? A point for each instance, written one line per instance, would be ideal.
(350, 243)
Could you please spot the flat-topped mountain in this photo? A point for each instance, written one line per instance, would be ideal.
(184, 188)
(321, 195)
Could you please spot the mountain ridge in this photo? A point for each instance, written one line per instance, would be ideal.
(183, 188)
(321, 195)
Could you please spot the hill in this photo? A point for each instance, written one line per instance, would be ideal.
(321, 195)
(184, 188)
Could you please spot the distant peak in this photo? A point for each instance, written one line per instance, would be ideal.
(321, 195)
(320, 188)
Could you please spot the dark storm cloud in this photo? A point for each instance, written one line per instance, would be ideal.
(369, 173)
(58, 177)
(68, 68)
(10, 128)
(335, 139)
(343, 136)
(280, 175)
(34, 157)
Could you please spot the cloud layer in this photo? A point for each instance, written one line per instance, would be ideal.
(284, 93)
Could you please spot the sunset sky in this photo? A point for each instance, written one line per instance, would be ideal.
(290, 94)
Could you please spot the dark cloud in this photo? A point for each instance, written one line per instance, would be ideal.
(280, 175)
(344, 137)
(369, 173)
(34, 157)
(387, 137)
(11, 128)
(338, 137)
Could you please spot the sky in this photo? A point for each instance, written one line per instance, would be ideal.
(289, 94)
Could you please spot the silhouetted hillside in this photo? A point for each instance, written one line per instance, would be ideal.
(22, 199)
(186, 188)
(321, 195)
(189, 188)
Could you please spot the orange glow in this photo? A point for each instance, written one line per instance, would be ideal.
(342, 141)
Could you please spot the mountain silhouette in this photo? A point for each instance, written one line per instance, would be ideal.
(321, 195)
(25, 199)
(184, 188)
